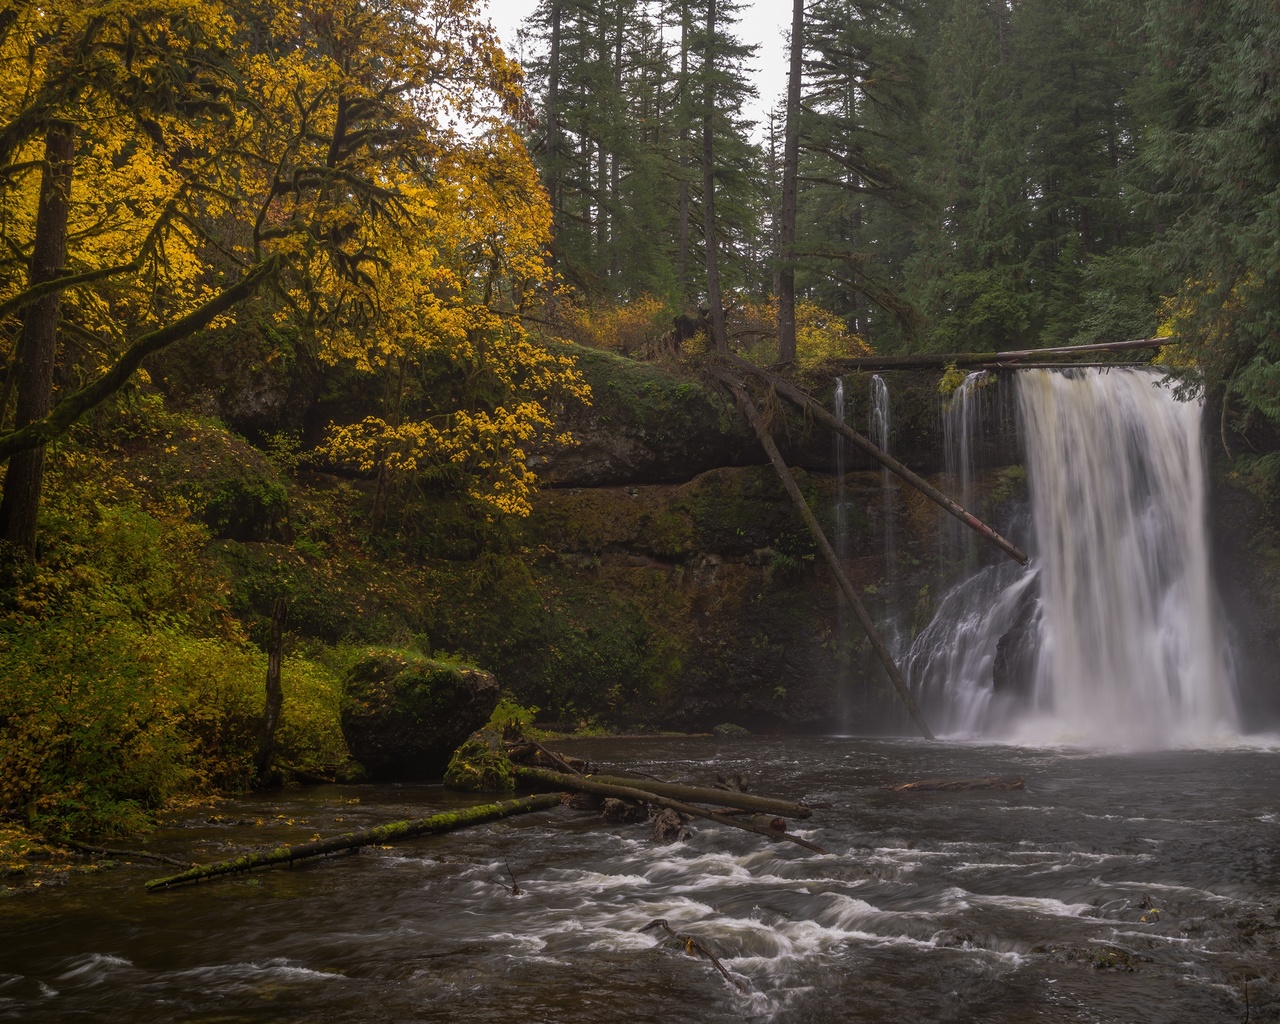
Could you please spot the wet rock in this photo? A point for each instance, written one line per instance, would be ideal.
(729, 731)
(623, 811)
(1013, 670)
(403, 715)
(668, 826)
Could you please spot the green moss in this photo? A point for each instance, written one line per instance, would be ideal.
(1010, 485)
(481, 765)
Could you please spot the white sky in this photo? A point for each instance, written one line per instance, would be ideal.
(763, 22)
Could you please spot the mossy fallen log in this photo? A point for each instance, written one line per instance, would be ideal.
(394, 831)
(641, 791)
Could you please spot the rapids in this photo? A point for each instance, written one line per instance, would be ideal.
(991, 906)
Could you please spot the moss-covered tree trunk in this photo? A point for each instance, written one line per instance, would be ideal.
(392, 832)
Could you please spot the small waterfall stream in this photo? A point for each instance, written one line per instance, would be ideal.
(1112, 637)
(878, 430)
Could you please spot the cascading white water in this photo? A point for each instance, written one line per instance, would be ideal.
(878, 424)
(846, 710)
(1123, 646)
(1131, 651)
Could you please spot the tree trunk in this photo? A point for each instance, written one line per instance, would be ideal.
(939, 360)
(828, 553)
(553, 118)
(638, 790)
(38, 346)
(697, 794)
(392, 832)
(275, 695)
(790, 174)
(818, 412)
(714, 299)
(682, 256)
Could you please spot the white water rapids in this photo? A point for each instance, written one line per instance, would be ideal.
(1122, 647)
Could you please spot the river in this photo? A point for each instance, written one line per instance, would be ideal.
(999, 906)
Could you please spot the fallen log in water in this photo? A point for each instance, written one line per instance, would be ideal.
(958, 785)
(447, 821)
(591, 784)
(697, 794)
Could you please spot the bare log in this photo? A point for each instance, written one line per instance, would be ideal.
(391, 832)
(925, 360)
(815, 409)
(706, 795)
(828, 553)
(958, 785)
(588, 784)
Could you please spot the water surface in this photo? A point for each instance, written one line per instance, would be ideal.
(994, 906)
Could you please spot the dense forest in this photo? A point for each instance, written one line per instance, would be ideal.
(943, 175)
(386, 256)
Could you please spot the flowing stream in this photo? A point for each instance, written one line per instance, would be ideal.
(992, 905)
(1141, 886)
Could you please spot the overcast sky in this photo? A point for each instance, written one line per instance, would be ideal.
(764, 22)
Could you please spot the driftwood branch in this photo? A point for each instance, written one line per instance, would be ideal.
(926, 360)
(828, 553)
(693, 947)
(391, 832)
(584, 784)
(806, 402)
(104, 851)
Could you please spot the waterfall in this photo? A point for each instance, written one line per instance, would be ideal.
(849, 720)
(1112, 637)
(878, 427)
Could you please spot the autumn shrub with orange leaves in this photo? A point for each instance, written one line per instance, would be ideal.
(635, 327)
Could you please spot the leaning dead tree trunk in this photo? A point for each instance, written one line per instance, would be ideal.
(391, 832)
(816, 410)
(828, 552)
(938, 360)
(584, 784)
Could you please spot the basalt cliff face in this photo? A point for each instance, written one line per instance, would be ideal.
(665, 582)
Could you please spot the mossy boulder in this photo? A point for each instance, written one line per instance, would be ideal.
(481, 765)
(403, 714)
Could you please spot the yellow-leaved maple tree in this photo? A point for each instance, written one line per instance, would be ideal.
(465, 391)
(161, 163)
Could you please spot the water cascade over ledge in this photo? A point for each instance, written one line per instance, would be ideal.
(1112, 637)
